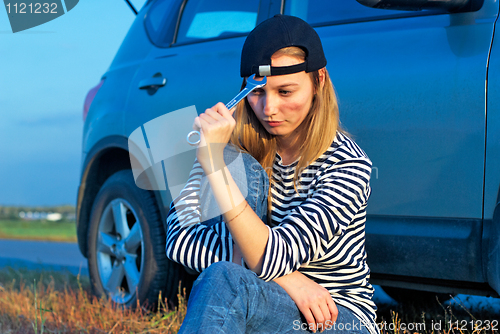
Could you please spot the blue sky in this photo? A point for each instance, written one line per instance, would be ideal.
(45, 74)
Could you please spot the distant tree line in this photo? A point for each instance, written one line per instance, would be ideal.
(12, 212)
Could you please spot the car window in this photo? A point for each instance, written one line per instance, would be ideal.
(322, 12)
(160, 21)
(207, 19)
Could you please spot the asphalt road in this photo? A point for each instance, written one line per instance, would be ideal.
(67, 256)
(42, 255)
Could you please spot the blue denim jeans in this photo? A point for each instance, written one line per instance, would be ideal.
(228, 298)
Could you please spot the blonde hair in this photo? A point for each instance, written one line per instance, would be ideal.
(250, 136)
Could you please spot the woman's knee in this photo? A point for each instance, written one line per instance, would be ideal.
(220, 268)
(229, 275)
(223, 272)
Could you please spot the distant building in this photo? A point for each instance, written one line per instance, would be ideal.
(52, 216)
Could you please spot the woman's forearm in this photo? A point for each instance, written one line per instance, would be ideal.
(288, 281)
(248, 231)
(237, 255)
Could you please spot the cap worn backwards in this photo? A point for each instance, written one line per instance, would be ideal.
(273, 34)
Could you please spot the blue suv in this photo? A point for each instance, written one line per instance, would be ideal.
(418, 87)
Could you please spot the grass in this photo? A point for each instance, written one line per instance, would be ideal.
(55, 302)
(38, 230)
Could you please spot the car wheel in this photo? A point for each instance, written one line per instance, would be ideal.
(126, 254)
(415, 297)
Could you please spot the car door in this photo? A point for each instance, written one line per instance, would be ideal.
(411, 90)
(194, 62)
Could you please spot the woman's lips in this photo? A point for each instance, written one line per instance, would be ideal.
(274, 123)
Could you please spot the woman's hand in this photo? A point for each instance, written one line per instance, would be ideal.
(313, 300)
(216, 126)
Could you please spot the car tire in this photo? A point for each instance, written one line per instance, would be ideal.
(415, 297)
(126, 245)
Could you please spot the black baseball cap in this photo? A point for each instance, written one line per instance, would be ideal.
(279, 32)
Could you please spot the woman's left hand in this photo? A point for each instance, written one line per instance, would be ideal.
(216, 126)
(313, 300)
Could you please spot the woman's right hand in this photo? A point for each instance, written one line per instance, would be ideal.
(313, 300)
(215, 126)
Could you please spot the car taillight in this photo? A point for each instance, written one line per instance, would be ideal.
(89, 98)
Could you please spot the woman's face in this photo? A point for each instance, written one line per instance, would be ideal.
(283, 103)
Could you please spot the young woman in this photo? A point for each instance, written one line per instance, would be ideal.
(286, 252)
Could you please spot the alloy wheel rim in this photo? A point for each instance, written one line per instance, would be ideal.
(120, 250)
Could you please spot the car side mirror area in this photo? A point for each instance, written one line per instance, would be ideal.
(451, 6)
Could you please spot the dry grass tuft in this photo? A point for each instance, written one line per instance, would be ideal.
(43, 306)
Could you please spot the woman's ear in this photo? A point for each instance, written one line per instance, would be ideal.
(322, 76)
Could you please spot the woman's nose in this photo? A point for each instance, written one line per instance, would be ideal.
(269, 105)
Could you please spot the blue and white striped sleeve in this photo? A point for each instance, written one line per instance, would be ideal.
(190, 242)
(305, 233)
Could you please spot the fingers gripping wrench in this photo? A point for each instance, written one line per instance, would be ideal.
(250, 86)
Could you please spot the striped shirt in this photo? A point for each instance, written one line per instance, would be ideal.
(319, 230)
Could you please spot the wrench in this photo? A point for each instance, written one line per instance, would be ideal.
(250, 86)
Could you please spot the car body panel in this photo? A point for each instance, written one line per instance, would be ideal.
(105, 115)
(415, 118)
(436, 246)
(491, 232)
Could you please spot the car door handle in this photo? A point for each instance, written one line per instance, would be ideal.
(154, 82)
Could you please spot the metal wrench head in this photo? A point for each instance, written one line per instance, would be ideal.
(250, 86)
(253, 84)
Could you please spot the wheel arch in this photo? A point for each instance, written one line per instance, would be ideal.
(107, 156)
(97, 167)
